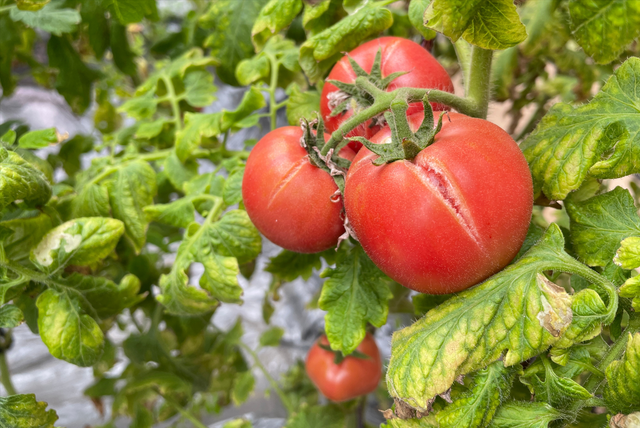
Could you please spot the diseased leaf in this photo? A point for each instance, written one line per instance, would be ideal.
(320, 52)
(10, 316)
(179, 173)
(571, 143)
(199, 88)
(140, 107)
(622, 391)
(131, 188)
(319, 16)
(23, 411)
(302, 105)
(476, 408)
(179, 213)
(553, 389)
(52, 18)
(80, 242)
(517, 310)
(489, 24)
(31, 5)
(230, 22)
(631, 290)
(27, 230)
(20, 180)
(603, 28)
(274, 17)
(232, 191)
(628, 255)
(600, 223)
(92, 201)
(417, 9)
(69, 333)
(518, 414)
(354, 294)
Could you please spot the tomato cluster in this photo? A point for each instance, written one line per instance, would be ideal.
(438, 223)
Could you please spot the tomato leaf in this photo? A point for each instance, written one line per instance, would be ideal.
(631, 290)
(20, 180)
(516, 414)
(622, 391)
(80, 242)
(423, 422)
(628, 255)
(603, 28)
(23, 411)
(301, 104)
(354, 294)
(52, 18)
(321, 51)
(130, 11)
(317, 417)
(179, 213)
(319, 16)
(10, 316)
(230, 23)
(600, 223)
(179, 173)
(477, 407)
(489, 24)
(274, 17)
(40, 139)
(271, 337)
(26, 231)
(243, 387)
(518, 310)
(417, 9)
(570, 143)
(31, 5)
(289, 265)
(232, 191)
(199, 88)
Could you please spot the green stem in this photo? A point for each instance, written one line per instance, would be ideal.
(186, 414)
(285, 400)
(5, 375)
(156, 318)
(273, 107)
(175, 106)
(479, 81)
(7, 8)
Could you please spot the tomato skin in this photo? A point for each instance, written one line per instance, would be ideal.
(452, 217)
(287, 198)
(351, 378)
(398, 54)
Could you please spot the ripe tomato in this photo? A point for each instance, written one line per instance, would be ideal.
(289, 199)
(398, 54)
(351, 378)
(449, 218)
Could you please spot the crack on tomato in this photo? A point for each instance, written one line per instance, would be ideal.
(436, 179)
(286, 179)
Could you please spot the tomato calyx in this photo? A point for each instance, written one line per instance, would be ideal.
(339, 356)
(404, 144)
(350, 96)
(313, 142)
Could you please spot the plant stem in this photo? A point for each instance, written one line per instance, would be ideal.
(175, 106)
(5, 375)
(479, 82)
(7, 8)
(186, 414)
(273, 106)
(285, 400)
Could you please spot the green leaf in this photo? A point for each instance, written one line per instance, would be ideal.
(69, 333)
(289, 265)
(631, 290)
(20, 180)
(52, 18)
(230, 22)
(518, 310)
(622, 391)
(148, 130)
(320, 52)
(553, 389)
(274, 17)
(177, 172)
(302, 104)
(319, 16)
(354, 294)
(271, 337)
(423, 303)
(106, 297)
(27, 230)
(477, 407)
(603, 28)
(131, 188)
(75, 79)
(79, 242)
(489, 24)
(130, 11)
(600, 223)
(123, 55)
(243, 387)
(238, 423)
(423, 422)
(140, 107)
(628, 255)
(317, 417)
(199, 88)
(518, 414)
(23, 411)
(179, 213)
(417, 9)
(571, 143)
(92, 201)
(232, 191)
(253, 69)
(32, 5)
(10, 316)
(40, 139)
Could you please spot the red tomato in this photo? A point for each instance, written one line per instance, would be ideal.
(449, 218)
(398, 54)
(351, 378)
(289, 199)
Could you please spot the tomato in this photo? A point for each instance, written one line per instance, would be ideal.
(451, 217)
(287, 198)
(351, 378)
(398, 54)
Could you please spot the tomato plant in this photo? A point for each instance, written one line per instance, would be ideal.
(184, 248)
(345, 378)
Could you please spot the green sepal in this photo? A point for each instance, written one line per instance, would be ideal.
(313, 143)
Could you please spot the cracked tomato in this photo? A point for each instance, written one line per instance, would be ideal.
(288, 199)
(451, 217)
